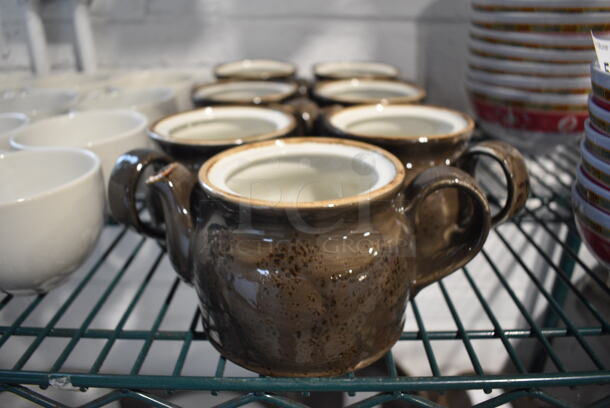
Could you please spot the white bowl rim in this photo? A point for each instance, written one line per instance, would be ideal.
(158, 94)
(95, 167)
(140, 124)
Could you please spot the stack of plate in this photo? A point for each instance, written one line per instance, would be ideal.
(591, 192)
(528, 76)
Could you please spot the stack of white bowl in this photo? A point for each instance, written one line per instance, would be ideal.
(528, 77)
(591, 192)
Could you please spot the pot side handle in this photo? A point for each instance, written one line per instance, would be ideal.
(123, 183)
(514, 169)
(474, 223)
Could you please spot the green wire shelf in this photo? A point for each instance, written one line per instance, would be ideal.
(557, 335)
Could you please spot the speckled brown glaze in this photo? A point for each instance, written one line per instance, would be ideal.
(284, 300)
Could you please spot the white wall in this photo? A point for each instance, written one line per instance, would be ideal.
(425, 38)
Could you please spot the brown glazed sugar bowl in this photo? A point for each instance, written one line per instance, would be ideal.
(303, 251)
(256, 69)
(423, 136)
(363, 91)
(194, 136)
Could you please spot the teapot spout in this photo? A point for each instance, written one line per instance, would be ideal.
(173, 186)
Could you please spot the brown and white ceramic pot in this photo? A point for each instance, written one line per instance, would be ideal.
(250, 92)
(349, 92)
(303, 251)
(194, 136)
(256, 69)
(285, 95)
(328, 71)
(423, 136)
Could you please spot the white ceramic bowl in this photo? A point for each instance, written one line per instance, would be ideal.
(51, 212)
(597, 142)
(154, 103)
(533, 84)
(244, 92)
(180, 81)
(599, 117)
(37, 103)
(354, 69)
(365, 91)
(543, 40)
(261, 69)
(536, 69)
(500, 51)
(107, 133)
(10, 123)
(594, 167)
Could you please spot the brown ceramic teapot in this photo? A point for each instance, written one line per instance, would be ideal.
(303, 251)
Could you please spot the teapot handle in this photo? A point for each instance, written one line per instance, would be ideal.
(473, 224)
(514, 169)
(122, 186)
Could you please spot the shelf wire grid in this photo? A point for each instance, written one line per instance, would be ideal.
(542, 243)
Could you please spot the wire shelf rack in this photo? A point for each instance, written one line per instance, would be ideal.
(529, 314)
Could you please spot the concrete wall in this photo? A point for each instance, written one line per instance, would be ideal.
(425, 38)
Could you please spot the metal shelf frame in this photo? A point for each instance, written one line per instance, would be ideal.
(548, 209)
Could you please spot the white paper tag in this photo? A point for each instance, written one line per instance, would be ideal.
(602, 49)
